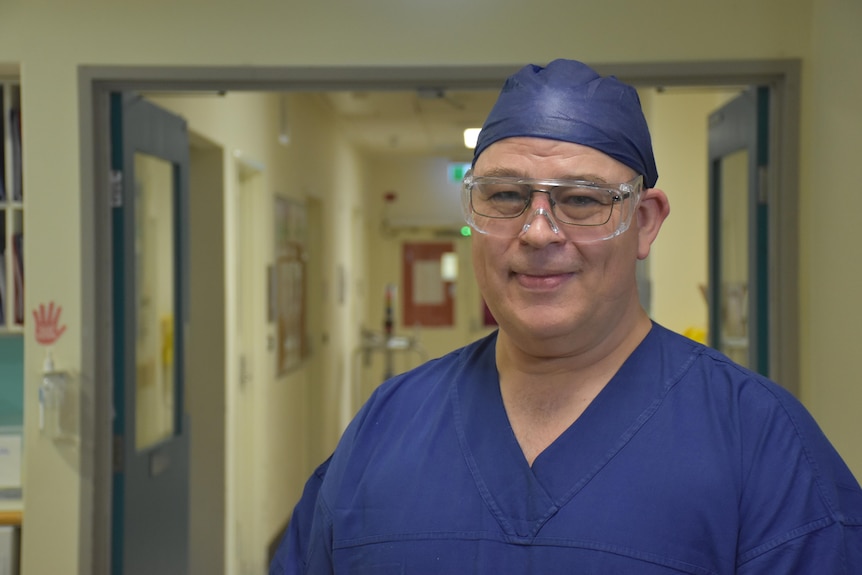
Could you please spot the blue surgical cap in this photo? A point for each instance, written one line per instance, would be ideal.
(569, 101)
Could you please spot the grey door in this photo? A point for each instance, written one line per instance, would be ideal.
(738, 234)
(150, 505)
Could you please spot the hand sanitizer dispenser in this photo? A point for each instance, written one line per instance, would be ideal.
(54, 397)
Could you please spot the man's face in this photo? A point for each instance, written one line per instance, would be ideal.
(541, 286)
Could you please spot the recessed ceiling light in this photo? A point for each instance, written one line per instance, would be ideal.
(470, 137)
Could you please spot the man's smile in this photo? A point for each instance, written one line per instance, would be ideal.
(542, 280)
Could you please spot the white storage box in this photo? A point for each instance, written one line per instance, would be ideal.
(9, 548)
(10, 461)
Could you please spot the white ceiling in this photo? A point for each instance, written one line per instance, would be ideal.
(429, 122)
(420, 122)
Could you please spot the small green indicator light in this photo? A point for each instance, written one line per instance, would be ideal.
(465, 231)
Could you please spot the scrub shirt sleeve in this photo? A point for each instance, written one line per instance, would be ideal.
(292, 552)
(832, 550)
(816, 499)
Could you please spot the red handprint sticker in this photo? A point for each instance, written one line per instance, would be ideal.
(48, 328)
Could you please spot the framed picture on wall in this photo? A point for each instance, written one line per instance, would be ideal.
(288, 303)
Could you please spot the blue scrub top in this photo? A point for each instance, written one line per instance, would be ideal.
(684, 463)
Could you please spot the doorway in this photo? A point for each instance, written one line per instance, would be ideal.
(783, 77)
(207, 379)
(249, 387)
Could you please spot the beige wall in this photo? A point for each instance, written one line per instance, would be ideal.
(831, 273)
(49, 40)
(206, 395)
(678, 261)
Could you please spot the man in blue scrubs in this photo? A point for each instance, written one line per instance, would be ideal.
(580, 437)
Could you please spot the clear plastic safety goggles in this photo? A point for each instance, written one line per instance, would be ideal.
(588, 211)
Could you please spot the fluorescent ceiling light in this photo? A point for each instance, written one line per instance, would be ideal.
(470, 137)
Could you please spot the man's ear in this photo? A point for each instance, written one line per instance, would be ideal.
(652, 210)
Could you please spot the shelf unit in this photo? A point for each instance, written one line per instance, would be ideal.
(11, 211)
(12, 310)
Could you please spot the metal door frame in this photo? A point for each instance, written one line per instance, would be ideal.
(96, 82)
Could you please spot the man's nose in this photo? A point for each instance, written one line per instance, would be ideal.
(540, 218)
(540, 227)
(540, 199)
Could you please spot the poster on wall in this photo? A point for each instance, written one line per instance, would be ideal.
(288, 289)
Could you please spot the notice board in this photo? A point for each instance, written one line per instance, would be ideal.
(288, 298)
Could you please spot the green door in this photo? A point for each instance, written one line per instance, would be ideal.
(150, 506)
(738, 234)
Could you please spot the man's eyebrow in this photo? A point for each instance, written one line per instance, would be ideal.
(585, 178)
(510, 173)
(503, 173)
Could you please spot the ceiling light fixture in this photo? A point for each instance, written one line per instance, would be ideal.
(470, 137)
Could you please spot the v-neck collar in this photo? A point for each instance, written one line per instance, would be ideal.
(523, 498)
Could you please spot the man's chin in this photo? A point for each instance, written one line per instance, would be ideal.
(542, 329)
